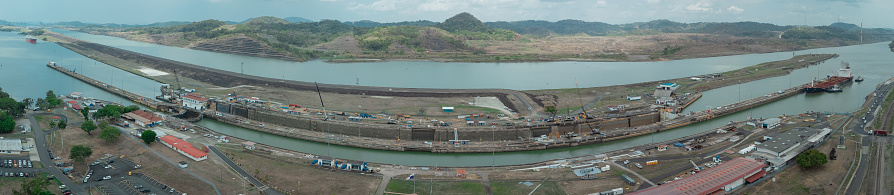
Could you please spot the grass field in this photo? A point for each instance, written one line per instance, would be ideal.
(439, 187)
(549, 187)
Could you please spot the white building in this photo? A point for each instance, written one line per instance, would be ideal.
(10, 146)
(668, 86)
(194, 101)
(782, 148)
(183, 147)
(771, 123)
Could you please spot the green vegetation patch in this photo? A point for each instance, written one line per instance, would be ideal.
(547, 188)
(422, 187)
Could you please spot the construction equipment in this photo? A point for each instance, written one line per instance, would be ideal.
(697, 168)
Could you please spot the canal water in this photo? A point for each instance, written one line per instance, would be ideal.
(24, 62)
(424, 74)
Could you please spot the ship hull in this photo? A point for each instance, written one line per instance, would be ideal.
(823, 86)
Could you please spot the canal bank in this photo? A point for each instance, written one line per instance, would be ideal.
(870, 61)
(435, 139)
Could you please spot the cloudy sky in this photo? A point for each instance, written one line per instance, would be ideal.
(872, 13)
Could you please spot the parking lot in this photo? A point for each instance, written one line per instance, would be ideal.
(17, 166)
(118, 176)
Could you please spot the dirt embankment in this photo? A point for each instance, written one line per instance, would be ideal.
(231, 79)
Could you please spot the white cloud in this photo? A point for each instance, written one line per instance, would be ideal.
(329, 0)
(383, 5)
(601, 3)
(735, 10)
(440, 5)
(653, 1)
(701, 6)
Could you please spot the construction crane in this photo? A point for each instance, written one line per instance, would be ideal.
(697, 168)
(177, 78)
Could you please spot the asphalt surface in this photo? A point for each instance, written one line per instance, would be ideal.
(40, 142)
(244, 174)
(860, 127)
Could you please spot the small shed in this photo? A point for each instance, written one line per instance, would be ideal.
(447, 109)
(461, 173)
(662, 147)
(248, 145)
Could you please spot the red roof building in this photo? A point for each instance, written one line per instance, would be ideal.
(183, 147)
(194, 101)
(722, 178)
(143, 118)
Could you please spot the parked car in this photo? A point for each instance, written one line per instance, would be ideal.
(638, 165)
(145, 190)
(138, 186)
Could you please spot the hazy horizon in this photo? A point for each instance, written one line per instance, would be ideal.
(816, 12)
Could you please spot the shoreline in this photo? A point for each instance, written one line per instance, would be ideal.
(524, 145)
(548, 58)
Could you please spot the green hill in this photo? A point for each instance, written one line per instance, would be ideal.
(268, 20)
(463, 21)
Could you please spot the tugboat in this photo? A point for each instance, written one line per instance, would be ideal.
(859, 79)
(834, 89)
(844, 76)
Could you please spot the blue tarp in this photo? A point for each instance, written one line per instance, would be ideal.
(586, 171)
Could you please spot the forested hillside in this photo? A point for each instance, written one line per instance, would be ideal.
(464, 33)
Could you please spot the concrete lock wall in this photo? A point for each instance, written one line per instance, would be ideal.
(614, 124)
(540, 131)
(426, 134)
(645, 119)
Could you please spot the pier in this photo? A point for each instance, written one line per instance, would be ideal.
(435, 139)
(149, 102)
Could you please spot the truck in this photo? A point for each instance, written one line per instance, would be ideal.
(879, 132)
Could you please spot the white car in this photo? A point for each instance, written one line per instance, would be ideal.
(107, 177)
(62, 187)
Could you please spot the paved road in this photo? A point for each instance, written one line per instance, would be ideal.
(40, 142)
(860, 127)
(244, 174)
(854, 187)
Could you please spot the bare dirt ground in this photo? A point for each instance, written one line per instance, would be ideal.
(646, 47)
(344, 43)
(297, 175)
(591, 186)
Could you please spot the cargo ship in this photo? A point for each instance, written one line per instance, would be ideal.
(844, 76)
(30, 39)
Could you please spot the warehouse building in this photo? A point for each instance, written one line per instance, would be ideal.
(780, 149)
(720, 179)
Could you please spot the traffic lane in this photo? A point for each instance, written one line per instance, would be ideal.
(40, 143)
(858, 176)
